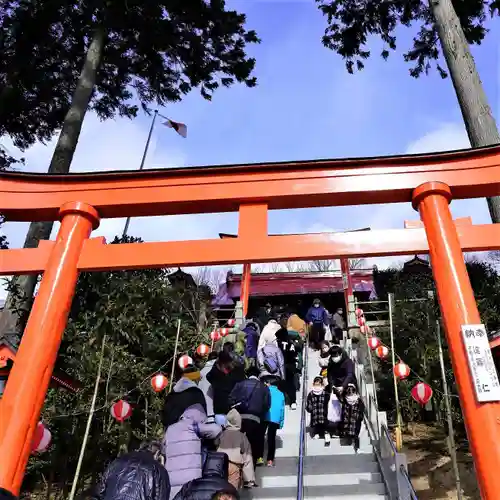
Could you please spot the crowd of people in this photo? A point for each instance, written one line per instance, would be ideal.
(223, 409)
(218, 418)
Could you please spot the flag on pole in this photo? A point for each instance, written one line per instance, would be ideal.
(180, 128)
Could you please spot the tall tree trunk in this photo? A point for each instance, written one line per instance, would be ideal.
(476, 112)
(17, 306)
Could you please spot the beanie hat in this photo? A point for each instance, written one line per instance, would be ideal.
(234, 418)
(6, 495)
(191, 373)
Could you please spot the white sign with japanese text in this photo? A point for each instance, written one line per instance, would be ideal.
(481, 364)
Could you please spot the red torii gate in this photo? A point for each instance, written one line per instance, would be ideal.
(429, 182)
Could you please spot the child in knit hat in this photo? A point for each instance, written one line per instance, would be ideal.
(237, 447)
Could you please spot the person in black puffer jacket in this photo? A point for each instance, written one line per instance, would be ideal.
(138, 475)
(186, 393)
(6, 495)
(213, 481)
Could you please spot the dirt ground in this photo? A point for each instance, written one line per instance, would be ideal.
(430, 466)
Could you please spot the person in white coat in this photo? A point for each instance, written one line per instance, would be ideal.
(270, 359)
(268, 334)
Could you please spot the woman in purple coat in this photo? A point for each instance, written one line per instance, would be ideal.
(182, 446)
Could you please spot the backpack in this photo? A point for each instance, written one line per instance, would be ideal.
(242, 406)
(270, 362)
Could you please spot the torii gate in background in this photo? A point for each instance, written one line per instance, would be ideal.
(429, 182)
(246, 281)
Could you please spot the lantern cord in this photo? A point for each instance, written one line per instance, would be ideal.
(421, 379)
(89, 423)
(108, 404)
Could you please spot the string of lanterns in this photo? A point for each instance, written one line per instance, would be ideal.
(421, 392)
(121, 410)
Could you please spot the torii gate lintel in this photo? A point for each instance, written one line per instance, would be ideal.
(253, 191)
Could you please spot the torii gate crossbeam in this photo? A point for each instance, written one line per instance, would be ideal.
(429, 182)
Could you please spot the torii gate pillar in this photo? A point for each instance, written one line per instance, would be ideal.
(25, 392)
(458, 307)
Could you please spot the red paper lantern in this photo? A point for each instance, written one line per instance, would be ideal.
(203, 350)
(215, 336)
(382, 351)
(185, 361)
(421, 393)
(121, 410)
(224, 331)
(365, 329)
(361, 321)
(401, 370)
(373, 342)
(159, 382)
(41, 438)
(359, 312)
(231, 322)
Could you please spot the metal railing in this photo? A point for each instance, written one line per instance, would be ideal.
(392, 463)
(302, 436)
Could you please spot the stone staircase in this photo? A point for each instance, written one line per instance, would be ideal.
(330, 472)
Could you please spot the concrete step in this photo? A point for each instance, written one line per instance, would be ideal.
(273, 481)
(317, 465)
(327, 491)
(330, 472)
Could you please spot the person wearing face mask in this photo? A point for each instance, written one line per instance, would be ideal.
(324, 359)
(340, 371)
(317, 318)
(316, 405)
(352, 415)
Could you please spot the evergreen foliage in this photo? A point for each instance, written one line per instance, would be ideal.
(137, 312)
(351, 24)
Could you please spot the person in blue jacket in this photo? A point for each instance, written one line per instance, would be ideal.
(317, 318)
(274, 420)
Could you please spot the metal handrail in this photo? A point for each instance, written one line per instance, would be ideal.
(397, 484)
(385, 430)
(302, 436)
(404, 473)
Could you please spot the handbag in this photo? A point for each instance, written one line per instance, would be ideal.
(334, 414)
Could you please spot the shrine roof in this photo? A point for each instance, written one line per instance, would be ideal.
(293, 283)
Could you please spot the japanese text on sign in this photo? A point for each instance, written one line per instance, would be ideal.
(481, 364)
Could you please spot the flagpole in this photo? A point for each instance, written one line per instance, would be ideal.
(143, 161)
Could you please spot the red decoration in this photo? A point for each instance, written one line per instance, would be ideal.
(373, 342)
(203, 350)
(421, 393)
(224, 331)
(401, 370)
(365, 329)
(382, 352)
(185, 361)
(359, 313)
(215, 335)
(231, 322)
(159, 382)
(41, 438)
(361, 321)
(121, 410)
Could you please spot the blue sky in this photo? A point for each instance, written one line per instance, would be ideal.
(306, 106)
